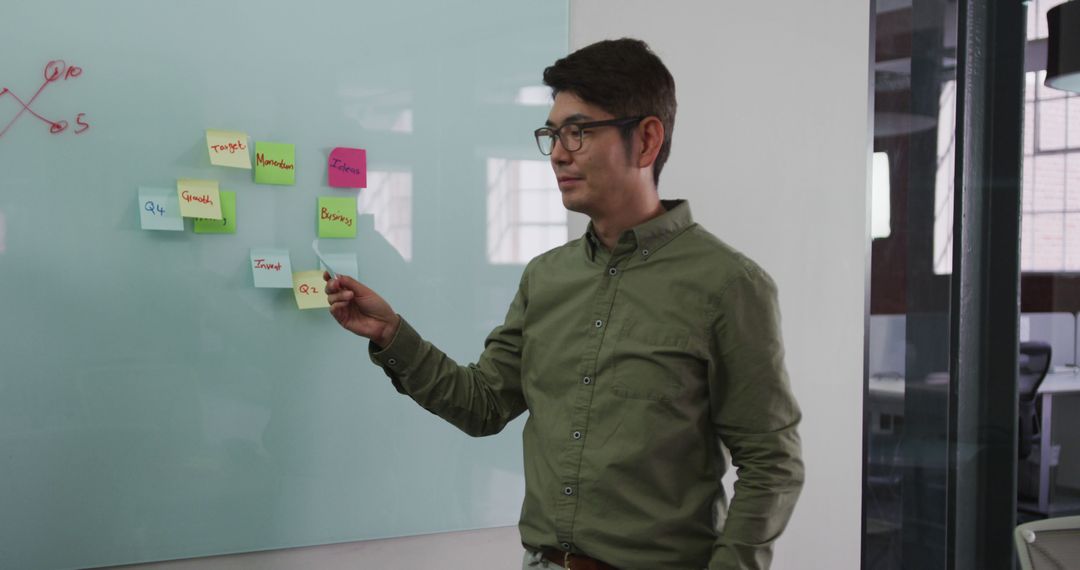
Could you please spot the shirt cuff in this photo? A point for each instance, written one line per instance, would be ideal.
(400, 355)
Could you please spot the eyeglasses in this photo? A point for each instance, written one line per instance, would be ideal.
(571, 134)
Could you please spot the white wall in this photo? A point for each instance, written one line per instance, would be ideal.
(771, 148)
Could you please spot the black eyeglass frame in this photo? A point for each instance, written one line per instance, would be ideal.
(553, 133)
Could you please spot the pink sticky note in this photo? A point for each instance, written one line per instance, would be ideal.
(347, 168)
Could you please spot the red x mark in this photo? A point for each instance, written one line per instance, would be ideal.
(54, 71)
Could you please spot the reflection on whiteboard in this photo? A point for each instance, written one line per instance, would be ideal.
(388, 198)
(525, 212)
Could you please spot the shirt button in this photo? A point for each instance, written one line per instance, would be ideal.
(599, 323)
(392, 361)
(645, 252)
(586, 380)
(577, 435)
(568, 491)
(565, 546)
(612, 271)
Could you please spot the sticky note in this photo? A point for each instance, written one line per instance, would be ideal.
(337, 217)
(227, 223)
(199, 198)
(347, 168)
(159, 209)
(343, 264)
(228, 148)
(271, 268)
(308, 290)
(275, 163)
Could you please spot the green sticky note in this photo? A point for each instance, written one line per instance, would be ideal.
(275, 163)
(337, 217)
(227, 223)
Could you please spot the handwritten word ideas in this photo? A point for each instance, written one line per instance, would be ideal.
(159, 209)
(228, 148)
(275, 163)
(337, 217)
(347, 168)
(308, 290)
(55, 71)
(271, 268)
(199, 198)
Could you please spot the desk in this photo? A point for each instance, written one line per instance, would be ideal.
(1055, 383)
(886, 406)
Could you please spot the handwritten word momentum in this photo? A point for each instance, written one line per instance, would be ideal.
(263, 161)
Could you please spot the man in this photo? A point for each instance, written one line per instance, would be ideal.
(637, 349)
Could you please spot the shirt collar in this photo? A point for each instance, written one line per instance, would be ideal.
(651, 235)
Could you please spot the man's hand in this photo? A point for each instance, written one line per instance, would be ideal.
(361, 310)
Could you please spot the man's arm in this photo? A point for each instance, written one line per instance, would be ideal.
(480, 399)
(756, 416)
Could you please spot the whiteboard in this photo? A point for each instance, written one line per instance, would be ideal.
(153, 403)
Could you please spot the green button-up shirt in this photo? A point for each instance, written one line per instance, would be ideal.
(634, 365)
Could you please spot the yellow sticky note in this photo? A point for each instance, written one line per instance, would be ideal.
(228, 148)
(308, 289)
(199, 198)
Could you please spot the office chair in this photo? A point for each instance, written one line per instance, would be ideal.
(1034, 364)
(1050, 544)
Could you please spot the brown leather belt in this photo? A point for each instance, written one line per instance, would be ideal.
(576, 561)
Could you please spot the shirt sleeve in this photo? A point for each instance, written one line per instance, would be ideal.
(756, 416)
(480, 398)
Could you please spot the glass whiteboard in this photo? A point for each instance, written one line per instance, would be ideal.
(154, 404)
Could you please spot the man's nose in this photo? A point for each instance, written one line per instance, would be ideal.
(559, 154)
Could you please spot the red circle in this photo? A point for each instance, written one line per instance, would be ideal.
(54, 69)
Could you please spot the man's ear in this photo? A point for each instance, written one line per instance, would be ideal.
(651, 131)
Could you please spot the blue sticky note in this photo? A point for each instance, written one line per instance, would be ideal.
(271, 268)
(159, 209)
(342, 263)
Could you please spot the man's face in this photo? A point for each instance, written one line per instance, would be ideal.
(592, 177)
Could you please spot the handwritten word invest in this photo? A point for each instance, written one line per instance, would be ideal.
(262, 264)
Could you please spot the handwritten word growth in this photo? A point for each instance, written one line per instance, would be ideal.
(333, 217)
(56, 70)
(201, 198)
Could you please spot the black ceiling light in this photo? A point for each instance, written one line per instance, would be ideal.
(1063, 55)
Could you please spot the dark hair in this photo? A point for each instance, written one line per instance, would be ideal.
(623, 77)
